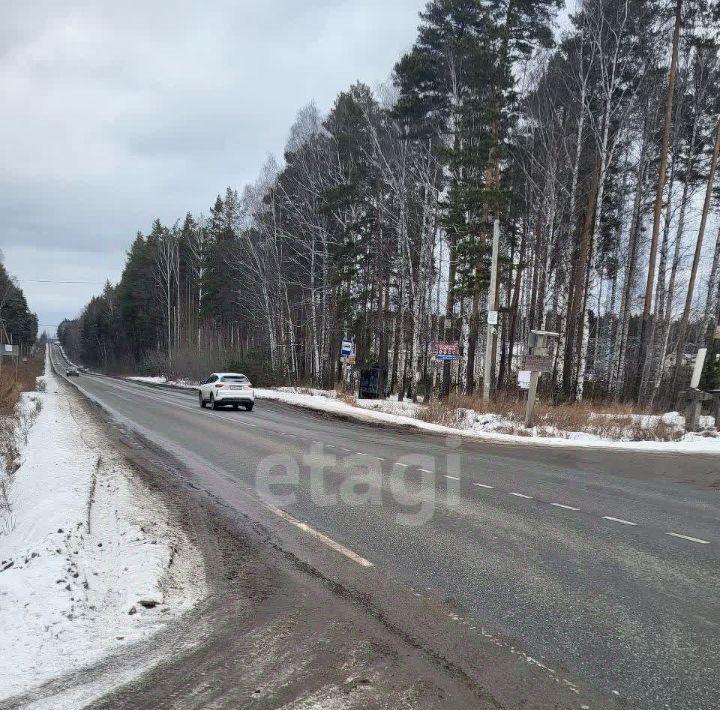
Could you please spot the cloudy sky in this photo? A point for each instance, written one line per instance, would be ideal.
(114, 113)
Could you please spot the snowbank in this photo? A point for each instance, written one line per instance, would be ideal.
(162, 380)
(159, 380)
(91, 562)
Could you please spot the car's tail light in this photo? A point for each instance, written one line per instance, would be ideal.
(219, 386)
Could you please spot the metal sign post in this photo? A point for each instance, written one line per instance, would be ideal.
(695, 397)
(537, 360)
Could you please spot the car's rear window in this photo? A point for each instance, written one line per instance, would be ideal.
(234, 378)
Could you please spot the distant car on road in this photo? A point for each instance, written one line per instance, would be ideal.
(224, 389)
(72, 372)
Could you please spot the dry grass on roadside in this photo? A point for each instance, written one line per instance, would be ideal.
(12, 385)
(609, 421)
(14, 426)
(347, 396)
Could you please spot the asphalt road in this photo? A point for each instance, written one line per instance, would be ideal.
(604, 563)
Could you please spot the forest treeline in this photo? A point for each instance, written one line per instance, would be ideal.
(18, 325)
(597, 153)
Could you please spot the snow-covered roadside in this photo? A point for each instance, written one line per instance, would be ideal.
(476, 425)
(93, 561)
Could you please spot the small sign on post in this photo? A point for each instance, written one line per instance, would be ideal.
(717, 332)
(537, 360)
(447, 352)
(697, 371)
(538, 363)
(492, 318)
(346, 348)
(524, 379)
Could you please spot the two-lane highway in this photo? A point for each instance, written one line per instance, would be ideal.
(603, 562)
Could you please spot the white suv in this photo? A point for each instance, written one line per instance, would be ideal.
(227, 388)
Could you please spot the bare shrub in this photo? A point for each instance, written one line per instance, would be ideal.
(439, 412)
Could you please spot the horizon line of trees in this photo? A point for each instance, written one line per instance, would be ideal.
(597, 154)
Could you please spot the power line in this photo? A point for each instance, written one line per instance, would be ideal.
(51, 281)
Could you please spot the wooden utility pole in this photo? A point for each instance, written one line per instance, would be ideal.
(659, 195)
(491, 340)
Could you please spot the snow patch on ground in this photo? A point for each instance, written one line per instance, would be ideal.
(162, 380)
(93, 561)
(159, 380)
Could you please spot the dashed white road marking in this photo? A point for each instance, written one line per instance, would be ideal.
(379, 458)
(402, 464)
(361, 453)
(323, 538)
(565, 507)
(482, 485)
(452, 478)
(618, 520)
(691, 539)
(520, 495)
(425, 470)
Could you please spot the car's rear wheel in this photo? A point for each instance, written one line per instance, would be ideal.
(249, 406)
(213, 403)
(202, 401)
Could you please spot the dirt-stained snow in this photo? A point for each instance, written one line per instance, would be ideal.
(92, 561)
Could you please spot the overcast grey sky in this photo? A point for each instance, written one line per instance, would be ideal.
(116, 113)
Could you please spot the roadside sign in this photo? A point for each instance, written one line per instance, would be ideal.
(447, 352)
(346, 348)
(492, 318)
(524, 379)
(538, 363)
(717, 332)
(10, 350)
(351, 359)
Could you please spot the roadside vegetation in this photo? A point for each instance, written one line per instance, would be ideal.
(595, 151)
(580, 421)
(617, 422)
(16, 418)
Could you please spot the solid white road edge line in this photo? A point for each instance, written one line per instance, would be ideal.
(323, 538)
(687, 537)
(618, 520)
(566, 507)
